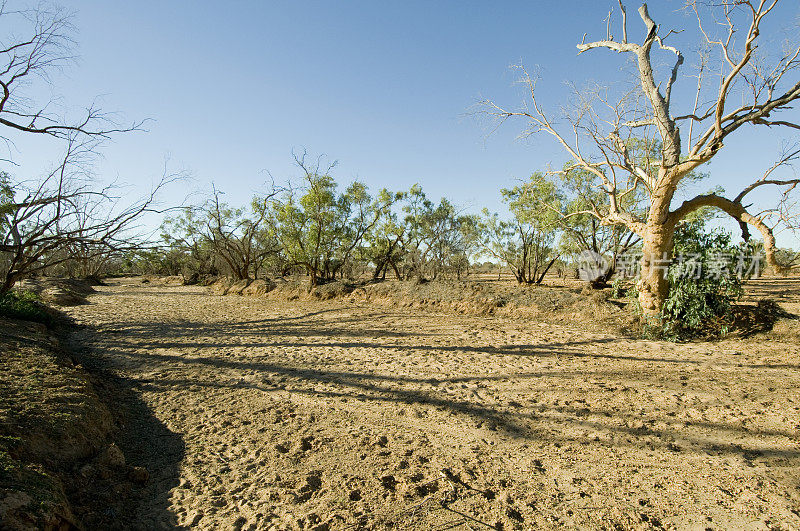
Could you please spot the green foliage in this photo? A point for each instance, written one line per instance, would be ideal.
(581, 227)
(384, 243)
(185, 235)
(438, 238)
(6, 199)
(787, 258)
(25, 306)
(6, 210)
(150, 262)
(214, 237)
(621, 289)
(525, 242)
(704, 282)
(320, 229)
(310, 224)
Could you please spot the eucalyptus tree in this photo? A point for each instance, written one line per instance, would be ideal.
(185, 235)
(739, 81)
(435, 238)
(320, 229)
(242, 238)
(583, 235)
(384, 245)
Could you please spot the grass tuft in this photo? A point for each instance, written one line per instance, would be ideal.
(24, 305)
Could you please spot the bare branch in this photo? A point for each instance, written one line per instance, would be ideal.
(624, 23)
(46, 48)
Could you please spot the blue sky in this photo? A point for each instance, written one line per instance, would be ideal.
(385, 88)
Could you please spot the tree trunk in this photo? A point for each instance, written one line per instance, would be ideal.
(396, 270)
(380, 267)
(659, 232)
(546, 269)
(8, 283)
(657, 246)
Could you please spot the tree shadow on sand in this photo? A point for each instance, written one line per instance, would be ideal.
(561, 422)
(146, 442)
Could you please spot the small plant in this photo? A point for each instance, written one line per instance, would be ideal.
(620, 289)
(25, 306)
(705, 279)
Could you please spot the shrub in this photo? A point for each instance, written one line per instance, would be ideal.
(705, 279)
(621, 289)
(25, 306)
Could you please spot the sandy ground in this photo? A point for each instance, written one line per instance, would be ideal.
(339, 416)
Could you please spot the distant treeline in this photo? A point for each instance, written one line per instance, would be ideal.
(311, 226)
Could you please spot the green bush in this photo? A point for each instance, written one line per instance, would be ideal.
(25, 306)
(621, 288)
(705, 279)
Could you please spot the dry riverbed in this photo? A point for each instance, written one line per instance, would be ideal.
(335, 415)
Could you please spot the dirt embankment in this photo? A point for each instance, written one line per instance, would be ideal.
(765, 308)
(486, 298)
(542, 303)
(58, 291)
(58, 463)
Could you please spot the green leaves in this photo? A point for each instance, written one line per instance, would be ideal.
(436, 238)
(25, 306)
(525, 242)
(705, 279)
(320, 229)
(6, 200)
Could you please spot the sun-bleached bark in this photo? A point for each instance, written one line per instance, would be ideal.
(760, 91)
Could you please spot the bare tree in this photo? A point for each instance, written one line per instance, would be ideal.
(40, 45)
(42, 219)
(62, 216)
(242, 239)
(748, 89)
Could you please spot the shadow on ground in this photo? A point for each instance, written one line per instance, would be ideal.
(632, 422)
(144, 440)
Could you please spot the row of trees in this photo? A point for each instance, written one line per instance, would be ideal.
(65, 226)
(630, 153)
(311, 226)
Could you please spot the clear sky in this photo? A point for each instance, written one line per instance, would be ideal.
(384, 87)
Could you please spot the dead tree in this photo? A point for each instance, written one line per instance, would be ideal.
(41, 220)
(62, 210)
(42, 43)
(602, 135)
